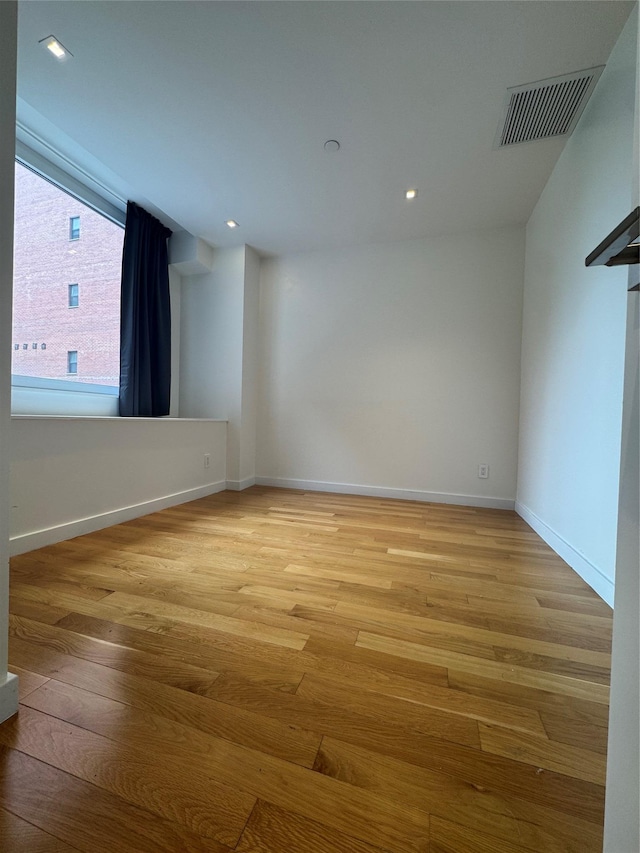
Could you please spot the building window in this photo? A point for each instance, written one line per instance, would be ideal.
(25, 346)
(16, 346)
(34, 346)
(72, 361)
(44, 264)
(43, 346)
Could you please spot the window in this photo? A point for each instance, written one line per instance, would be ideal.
(74, 227)
(44, 264)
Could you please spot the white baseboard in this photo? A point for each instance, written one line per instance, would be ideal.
(39, 538)
(239, 485)
(8, 697)
(589, 573)
(381, 492)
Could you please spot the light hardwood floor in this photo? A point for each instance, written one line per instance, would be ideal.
(284, 672)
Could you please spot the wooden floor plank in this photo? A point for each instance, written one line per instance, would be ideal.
(281, 619)
(41, 612)
(391, 710)
(512, 819)
(167, 787)
(24, 634)
(371, 675)
(575, 731)
(85, 817)
(405, 744)
(581, 688)
(133, 610)
(447, 837)
(343, 807)
(358, 727)
(274, 670)
(19, 836)
(283, 740)
(341, 576)
(271, 829)
(195, 649)
(541, 752)
(570, 707)
(433, 628)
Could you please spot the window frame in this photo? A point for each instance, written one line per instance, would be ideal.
(70, 178)
(73, 296)
(74, 228)
(40, 395)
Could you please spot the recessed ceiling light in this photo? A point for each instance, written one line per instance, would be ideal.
(231, 223)
(332, 145)
(410, 194)
(57, 48)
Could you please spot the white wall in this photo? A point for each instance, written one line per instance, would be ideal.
(175, 291)
(573, 344)
(8, 31)
(622, 812)
(250, 374)
(217, 357)
(394, 368)
(211, 346)
(70, 476)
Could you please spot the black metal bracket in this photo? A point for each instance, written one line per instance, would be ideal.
(621, 247)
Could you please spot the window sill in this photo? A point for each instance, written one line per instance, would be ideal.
(166, 419)
(32, 395)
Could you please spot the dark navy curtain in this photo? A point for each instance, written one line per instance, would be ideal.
(145, 317)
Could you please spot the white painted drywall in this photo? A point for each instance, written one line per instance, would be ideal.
(622, 813)
(73, 475)
(175, 293)
(574, 322)
(622, 806)
(394, 366)
(211, 346)
(217, 357)
(250, 355)
(8, 34)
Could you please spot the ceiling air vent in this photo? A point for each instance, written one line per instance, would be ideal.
(547, 108)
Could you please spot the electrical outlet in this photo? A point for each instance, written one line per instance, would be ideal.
(483, 471)
(207, 460)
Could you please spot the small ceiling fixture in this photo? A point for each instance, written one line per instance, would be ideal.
(332, 145)
(56, 47)
(231, 223)
(411, 194)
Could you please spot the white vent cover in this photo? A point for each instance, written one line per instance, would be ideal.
(547, 108)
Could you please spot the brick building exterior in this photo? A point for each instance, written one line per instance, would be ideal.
(48, 258)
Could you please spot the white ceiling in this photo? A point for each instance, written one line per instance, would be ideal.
(206, 111)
